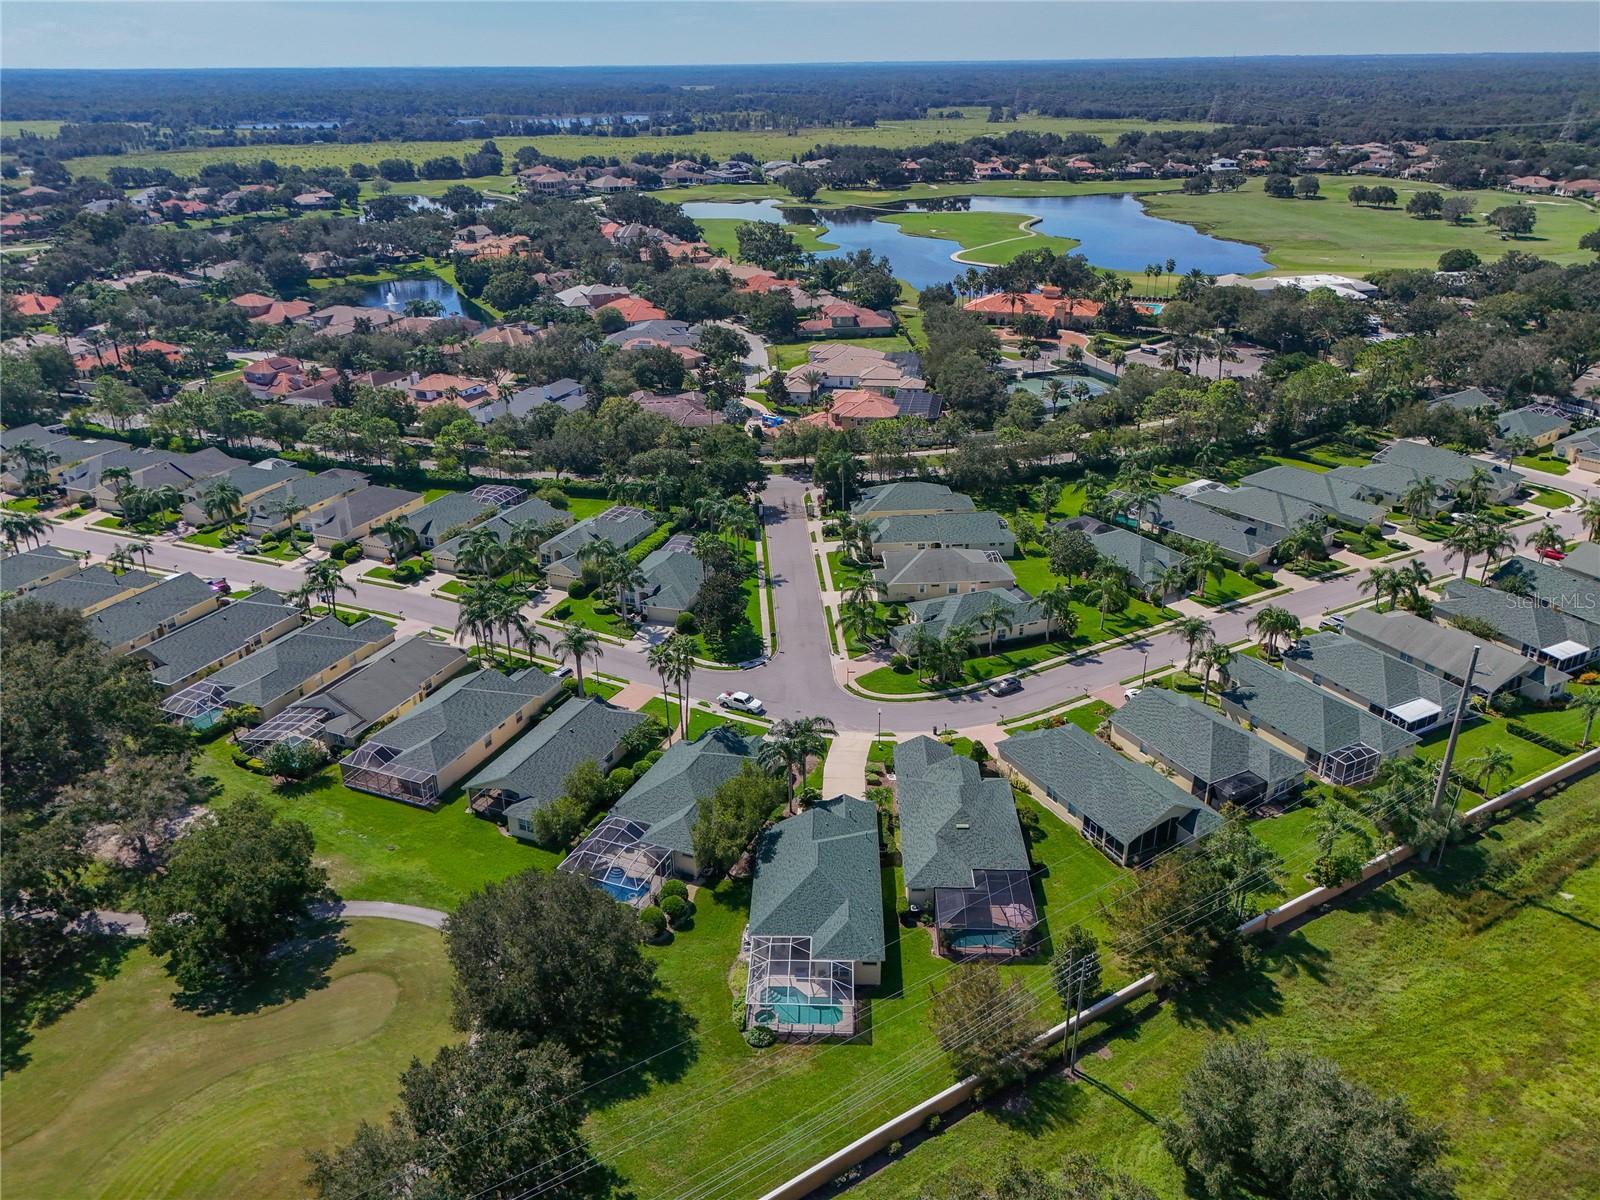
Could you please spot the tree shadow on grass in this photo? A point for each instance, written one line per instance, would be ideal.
(96, 958)
(292, 971)
(1229, 1002)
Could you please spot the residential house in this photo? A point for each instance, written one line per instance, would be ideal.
(853, 409)
(341, 320)
(649, 833)
(28, 569)
(909, 498)
(964, 530)
(139, 618)
(267, 310)
(1268, 508)
(838, 366)
(1530, 183)
(89, 589)
(253, 481)
(1024, 617)
(1564, 640)
(266, 374)
(1566, 591)
(225, 636)
(672, 578)
(963, 853)
(441, 386)
(590, 295)
(1348, 500)
(448, 736)
(62, 453)
(1152, 565)
(33, 304)
(280, 672)
(388, 685)
(1581, 449)
(634, 310)
(687, 410)
(1589, 189)
(1056, 310)
(1583, 559)
(435, 522)
(1218, 761)
(1128, 811)
(839, 318)
(1242, 541)
(619, 525)
(1339, 742)
(663, 333)
(1449, 469)
(1468, 400)
(567, 394)
(1540, 424)
(305, 497)
(323, 392)
(539, 512)
(351, 518)
(816, 937)
(919, 574)
(1446, 652)
(1400, 692)
(532, 774)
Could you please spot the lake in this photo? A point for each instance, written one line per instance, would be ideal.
(394, 294)
(1113, 231)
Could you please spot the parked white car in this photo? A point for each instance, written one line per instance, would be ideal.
(741, 702)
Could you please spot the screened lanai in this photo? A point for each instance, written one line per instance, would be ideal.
(293, 725)
(617, 859)
(198, 705)
(795, 995)
(994, 918)
(1350, 765)
(372, 768)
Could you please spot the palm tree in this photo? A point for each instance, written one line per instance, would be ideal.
(1589, 514)
(481, 552)
(1412, 579)
(398, 535)
(574, 645)
(1271, 623)
(324, 580)
(475, 614)
(1056, 604)
(120, 559)
(1197, 635)
(861, 621)
(23, 527)
(1214, 660)
(627, 577)
(683, 665)
(116, 478)
(993, 619)
(921, 647)
(660, 658)
(1494, 544)
(1382, 582)
(1462, 543)
(505, 611)
(1587, 699)
(220, 502)
(1474, 491)
(1205, 562)
(791, 744)
(288, 510)
(1547, 540)
(954, 648)
(1494, 762)
(1108, 592)
(1418, 500)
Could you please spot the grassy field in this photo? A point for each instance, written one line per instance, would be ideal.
(1549, 464)
(791, 354)
(18, 128)
(1471, 997)
(984, 237)
(720, 144)
(720, 234)
(1331, 234)
(128, 1095)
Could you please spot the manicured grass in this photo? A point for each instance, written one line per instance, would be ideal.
(379, 849)
(219, 538)
(23, 504)
(791, 354)
(1549, 498)
(1487, 733)
(159, 523)
(699, 719)
(583, 612)
(720, 233)
(1001, 236)
(433, 493)
(186, 1104)
(1087, 717)
(1359, 543)
(1232, 586)
(580, 507)
(1542, 462)
(1331, 234)
(1406, 988)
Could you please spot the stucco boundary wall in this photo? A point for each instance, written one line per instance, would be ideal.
(897, 1127)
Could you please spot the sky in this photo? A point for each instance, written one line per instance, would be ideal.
(384, 33)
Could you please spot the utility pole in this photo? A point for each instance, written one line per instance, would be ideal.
(1442, 784)
(1078, 973)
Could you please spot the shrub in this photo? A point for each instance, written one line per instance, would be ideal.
(350, 554)
(621, 779)
(653, 920)
(932, 1123)
(267, 541)
(675, 887)
(894, 1148)
(881, 796)
(676, 908)
(759, 1037)
(569, 685)
(295, 760)
(1371, 531)
(899, 662)
(685, 622)
(580, 589)
(648, 761)
(407, 572)
(604, 607)
(979, 752)
(552, 495)
(1516, 729)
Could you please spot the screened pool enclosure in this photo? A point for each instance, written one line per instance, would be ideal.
(616, 859)
(994, 918)
(795, 995)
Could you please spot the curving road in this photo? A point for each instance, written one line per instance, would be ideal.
(132, 924)
(800, 679)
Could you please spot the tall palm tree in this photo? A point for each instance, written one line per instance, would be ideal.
(1474, 491)
(120, 559)
(1205, 562)
(1494, 545)
(683, 666)
(995, 617)
(23, 527)
(1197, 636)
(398, 535)
(861, 621)
(475, 614)
(1588, 700)
(1419, 500)
(1546, 540)
(324, 580)
(220, 501)
(1214, 660)
(660, 658)
(116, 478)
(1056, 604)
(791, 744)
(1462, 544)
(921, 647)
(1271, 623)
(574, 645)
(288, 510)
(1412, 579)
(1589, 514)
(1382, 582)
(1494, 762)
(505, 610)
(481, 552)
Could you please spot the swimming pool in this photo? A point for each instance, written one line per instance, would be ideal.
(975, 939)
(619, 886)
(791, 1006)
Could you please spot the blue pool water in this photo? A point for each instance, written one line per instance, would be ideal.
(969, 939)
(791, 1006)
(618, 887)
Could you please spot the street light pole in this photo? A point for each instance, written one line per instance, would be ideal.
(1144, 668)
(880, 722)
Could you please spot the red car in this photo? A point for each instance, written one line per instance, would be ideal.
(1557, 555)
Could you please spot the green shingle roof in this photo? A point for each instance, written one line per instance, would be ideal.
(537, 764)
(672, 578)
(817, 876)
(1528, 423)
(1201, 742)
(1445, 467)
(668, 796)
(952, 528)
(1365, 671)
(444, 514)
(382, 684)
(1199, 523)
(92, 585)
(444, 726)
(1552, 585)
(1439, 648)
(214, 636)
(619, 525)
(532, 509)
(1146, 559)
(1346, 498)
(1304, 715)
(952, 820)
(1125, 798)
(134, 616)
(1261, 504)
(909, 495)
(944, 565)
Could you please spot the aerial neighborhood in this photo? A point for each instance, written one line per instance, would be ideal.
(777, 635)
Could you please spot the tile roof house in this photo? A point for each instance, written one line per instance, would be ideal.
(89, 589)
(967, 530)
(225, 636)
(947, 571)
(352, 517)
(446, 737)
(1560, 639)
(282, 671)
(620, 525)
(1240, 540)
(963, 852)
(533, 772)
(1400, 692)
(839, 318)
(854, 408)
(909, 497)
(1127, 810)
(1446, 652)
(389, 684)
(687, 410)
(268, 310)
(1341, 743)
(672, 578)
(437, 521)
(1026, 618)
(633, 309)
(1346, 499)
(590, 295)
(28, 569)
(540, 512)
(816, 931)
(143, 616)
(1219, 762)
(1149, 562)
(1058, 311)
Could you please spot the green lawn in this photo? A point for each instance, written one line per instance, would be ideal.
(219, 538)
(1542, 462)
(1330, 234)
(23, 504)
(1486, 733)
(1407, 989)
(227, 1104)
(1087, 717)
(1002, 236)
(378, 849)
(699, 719)
(583, 612)
(1359, 543)
(791, 354)
(1549, 498)
(845, 575)
(1232, 586)
(720, 233)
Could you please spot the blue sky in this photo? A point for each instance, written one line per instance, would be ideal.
(331, 33)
